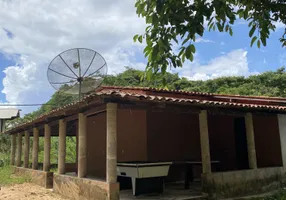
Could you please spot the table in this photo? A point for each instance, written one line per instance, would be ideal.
(189, 176)
(146, 177)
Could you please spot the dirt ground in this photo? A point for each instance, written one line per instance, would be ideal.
(27, 191)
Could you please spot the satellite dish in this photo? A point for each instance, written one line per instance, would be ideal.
(77, 71)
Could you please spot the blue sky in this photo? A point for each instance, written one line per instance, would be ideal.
(32, 33)
(4, 62)
(260, 60)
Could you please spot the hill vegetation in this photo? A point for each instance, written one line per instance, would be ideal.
(271, 83)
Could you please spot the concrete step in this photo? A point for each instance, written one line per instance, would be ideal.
(199, 197)
(191, 196)
(253, 197)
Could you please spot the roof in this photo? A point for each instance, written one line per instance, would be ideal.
(261, 103)
(194, 98)
(9, 113)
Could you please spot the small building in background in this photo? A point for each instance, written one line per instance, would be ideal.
(7, 114)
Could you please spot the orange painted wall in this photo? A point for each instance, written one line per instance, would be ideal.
(167, 136)
(131, 140)
(172, 136)
(222, 141)
(267, 141)
(96, 145)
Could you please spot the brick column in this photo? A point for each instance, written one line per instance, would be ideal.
(205, 147)
(47, 148)
(26, 149)
(19, 149)
(282, 133)
(82, 145)
(35, 148)
(111, 143)
(13, 149)
(62, 147)
(250, 141)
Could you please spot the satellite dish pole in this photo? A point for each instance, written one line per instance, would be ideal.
(77, 71)
(80, 79)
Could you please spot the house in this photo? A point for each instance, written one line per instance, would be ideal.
(7, 114)
(233, 145)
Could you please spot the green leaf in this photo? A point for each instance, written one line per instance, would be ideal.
(210, 21)
(245, 14)
(147, 29)
(164, 69)
(253, 40)
(148, 19)
(240, 14)
(219, 26)
(186, 40)
(263, 40)
(159, 6)
(140, 8)
(252, 31)
(229, 14)
(181, 51)
(211, 26)
(137, 3)
(226, 28)
(147, 50)
(155, 20)
(258, 43)
(200, 30)
(189, 54)
(193, 48)
(140, 38)
(161, 45)
(230, 31)
(149, 74)
(184, 57)
(135, 37)
(155, 52)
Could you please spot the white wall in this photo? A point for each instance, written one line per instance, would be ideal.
(282, 132)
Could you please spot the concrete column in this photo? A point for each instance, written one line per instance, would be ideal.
(250, 141)
(282, 133)
(35, 148)
(26, 149)
(19, 149)
(47, 148)
(13, 149)
(111, 143)
(82, 145)
(62, 147)
(205, 146)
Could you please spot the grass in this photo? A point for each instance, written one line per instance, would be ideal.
(7, 178)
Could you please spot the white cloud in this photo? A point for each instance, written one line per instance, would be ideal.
(201, 40)
(42, 29)
(233, 63)
(279, 25)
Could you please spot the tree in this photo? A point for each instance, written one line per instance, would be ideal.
(181, 21)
